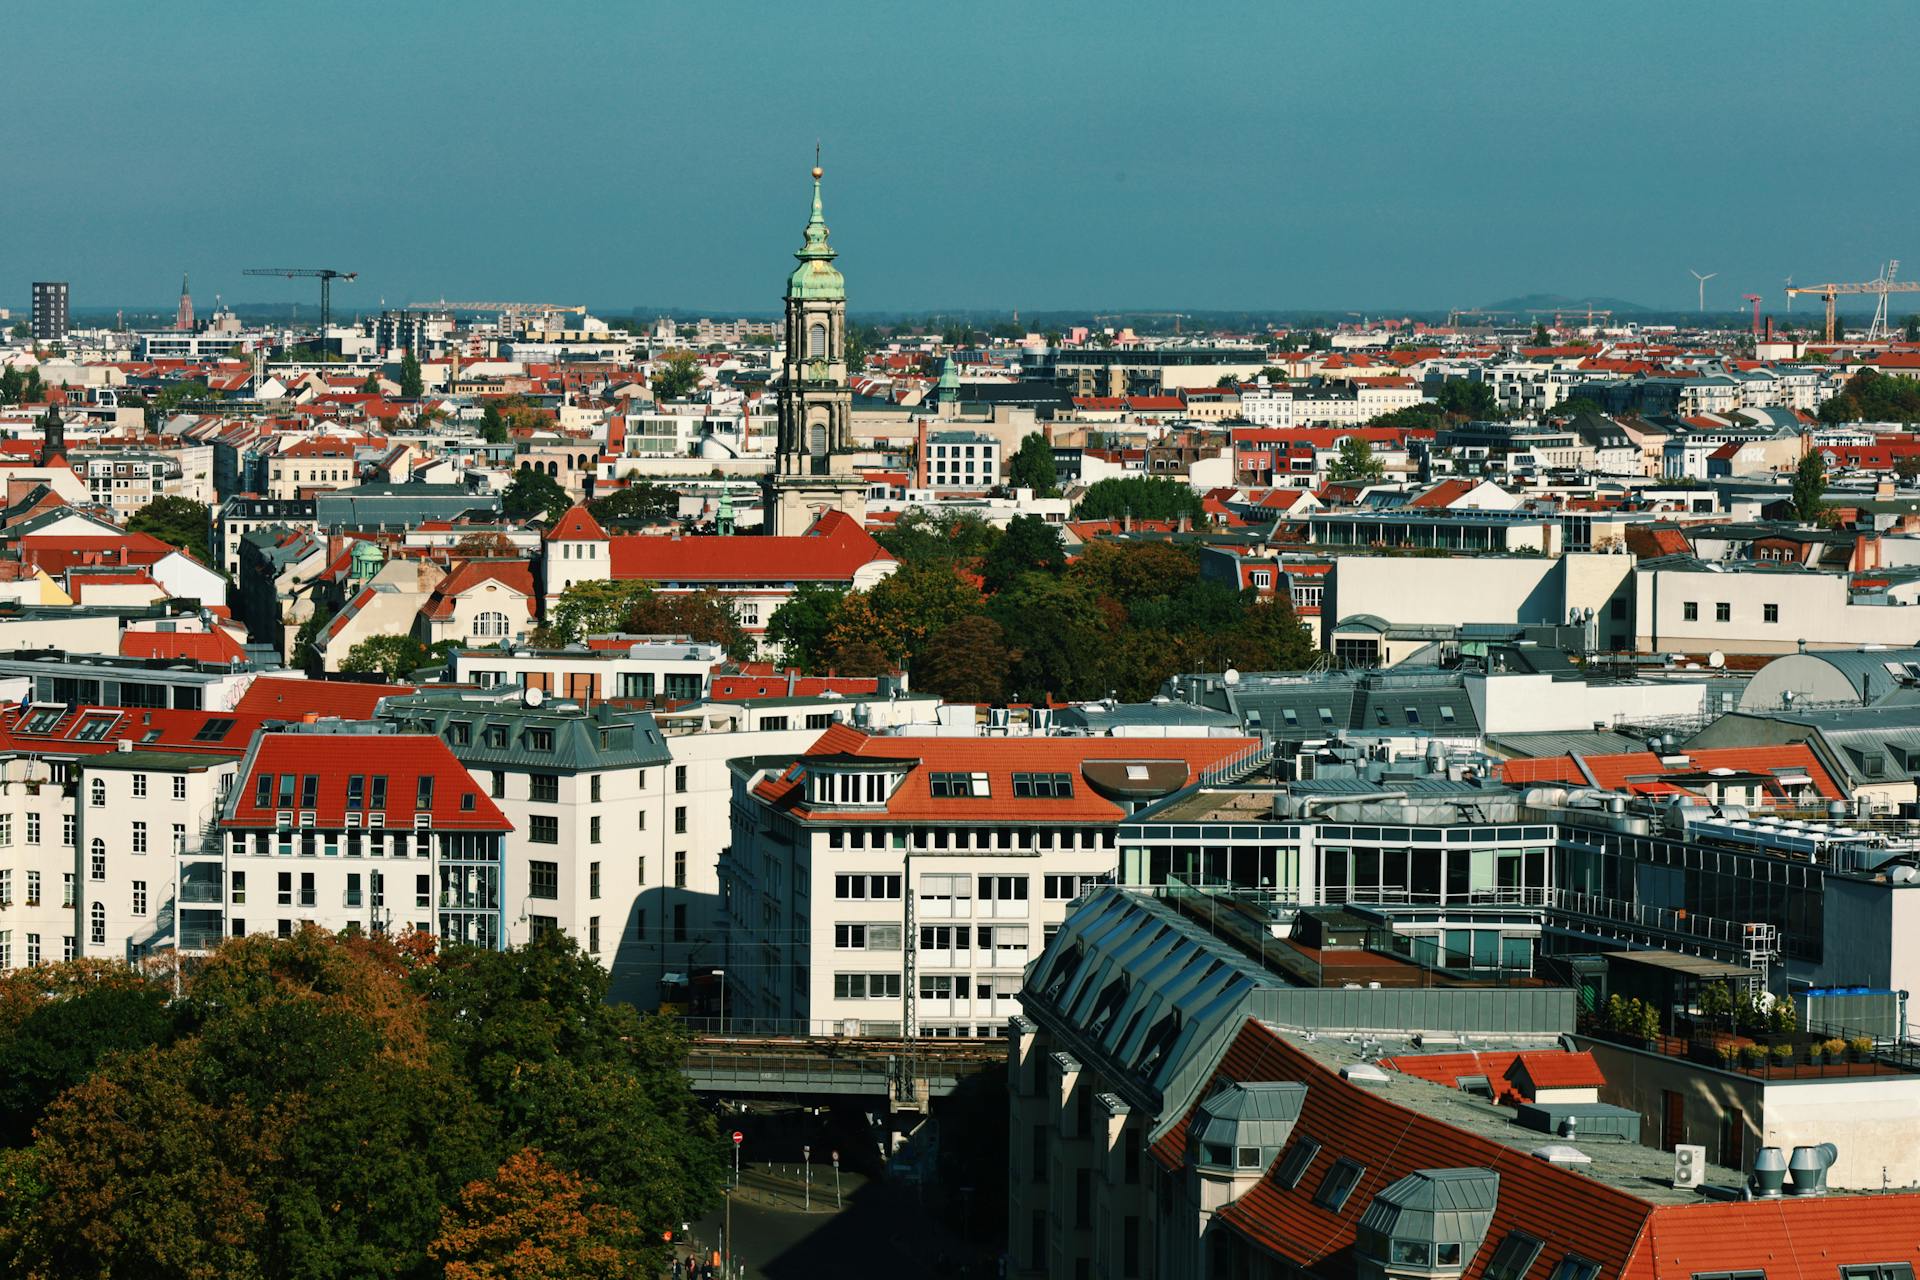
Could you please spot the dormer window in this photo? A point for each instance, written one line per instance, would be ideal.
(864, 787)
(953, 786)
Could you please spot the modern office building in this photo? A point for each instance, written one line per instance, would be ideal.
(49, 310)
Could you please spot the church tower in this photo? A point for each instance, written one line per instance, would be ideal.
(811, 472)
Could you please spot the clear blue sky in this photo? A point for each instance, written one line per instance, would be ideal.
(985, 155)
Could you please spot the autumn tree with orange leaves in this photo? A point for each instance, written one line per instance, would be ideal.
(534, 1221)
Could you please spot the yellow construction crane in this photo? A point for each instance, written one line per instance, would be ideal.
(1881, 287)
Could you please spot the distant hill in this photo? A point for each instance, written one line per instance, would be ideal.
(1560, 302)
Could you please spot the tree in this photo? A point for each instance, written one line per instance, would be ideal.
(172, 396)
(1058, 633)
(965, 661)
(802, 624)
(1871, 396)
(596, 606)
(306, 640)
(641, 502)
(493, 424)
(393, 656)
(1425, 416)
(1355, 463)
(706, 616)
(1029, 543)
(483, 545)
(1912, 329)
(1907, 467)
(860, 340)
(59, 1044)
(1031, 467)
(950, 538)
(909, 605)
(1578, 407)
(1541, 338)
(12, 381)
(533, 494)
(533, 1221)
(371, 387)
(675, 374)
(178, 522)
(1810, 487)
(1469, 398)
(1130, 572)
(21, 330)
(1269, 637)
(1143, 497)
(412, 385)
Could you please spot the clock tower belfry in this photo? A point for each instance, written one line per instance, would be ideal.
(811, 472)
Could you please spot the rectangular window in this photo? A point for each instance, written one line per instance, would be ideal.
(952, 786)
(377, 794)
(593, 879)
(680, 820)
(1043, 786)
(422, 891)
(543, 829)
(1723, 612)
(139, 786)
(139, 837)
(853, 888)
(543, 788)
(679, 868)
(1575, 1267)
(593, 829)
(33, 829)
(1515, 1256)
(310, 791)
(1299, 1159)
(33, 888)
(140, 897)
(1769, 613)
(543, 879)
(850, 937)
(1877, 1271)
(1003, 888)
(307, 893)
(1690, 611)
(1338, 1184)
(679, 777)
(179, 786)
(539, 927)
(593, 935)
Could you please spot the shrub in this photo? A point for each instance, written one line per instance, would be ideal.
(1782, 1054)
(1753, 1055)
(1729, 1054)
(1862, 1047)
(1834, 1049)
(1782, 1016)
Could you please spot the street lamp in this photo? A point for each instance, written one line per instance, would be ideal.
(806, 1176)
(722, 975)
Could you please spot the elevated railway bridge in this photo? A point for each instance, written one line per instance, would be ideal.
(901, 1074)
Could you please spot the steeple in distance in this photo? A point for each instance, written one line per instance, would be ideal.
(183, 317)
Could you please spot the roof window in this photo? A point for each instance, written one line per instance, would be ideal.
(1298, 1160)
(960, 786)
(1043, 786)
(1514, 1257)
(1339, 1183)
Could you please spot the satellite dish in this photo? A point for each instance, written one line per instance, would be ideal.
(533, 697)
(1716, 659)
(1232, 676)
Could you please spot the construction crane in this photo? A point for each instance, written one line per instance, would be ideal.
(1562, 314)
(1882, 286)
(325, 275)
(1754, 298)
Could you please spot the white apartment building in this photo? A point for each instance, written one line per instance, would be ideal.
(342, 824)
(963, 460)
(135, 813)
(1267, 405)
(878, 883)
(612, 666)
(588, 794)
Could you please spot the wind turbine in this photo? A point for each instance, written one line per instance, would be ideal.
(1702, 279)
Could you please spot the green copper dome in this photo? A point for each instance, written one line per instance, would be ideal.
(949, 384)
(815, 277)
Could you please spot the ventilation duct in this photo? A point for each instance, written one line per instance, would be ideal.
(1769, 1173)
(1808, 1169)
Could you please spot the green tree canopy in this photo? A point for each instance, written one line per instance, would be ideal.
(1143, 497)
(1029, 543)
(178, 522)
(1470, 398)
(1031, 467)
(707, 616)
(1872, 396)
(595, 606)
(642, 502)
(949, 538)
(393, 655)
(801, 625)
(412, 385)
(1425, 416)
(1810, 487)
(533, 494)
(965, 661)
(1355, 463)
(675, 375)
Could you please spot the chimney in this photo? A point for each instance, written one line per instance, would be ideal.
(920, 456)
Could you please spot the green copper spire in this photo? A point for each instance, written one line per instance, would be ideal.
(815, 277)
(948, 388)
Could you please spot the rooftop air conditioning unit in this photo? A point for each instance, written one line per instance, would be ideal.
(1689, 1165)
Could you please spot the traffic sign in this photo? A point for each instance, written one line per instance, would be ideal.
(738, 1137)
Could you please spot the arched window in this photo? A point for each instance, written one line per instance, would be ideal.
(553, 468)
(99, 793)
(817, 342)
(491, 625)
(97, 923)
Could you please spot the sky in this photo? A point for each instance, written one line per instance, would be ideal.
(987, 156)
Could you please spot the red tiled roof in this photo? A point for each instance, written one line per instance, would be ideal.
(1444, 494)
(153, 729)
(746, 687)
(286, 698)
(193, 646)
(831, 550)
(577, 525)
(470, 575)
(1557, 1069)
(999, 759)
(1448, 1068)
(1644, 771)
(459, 802)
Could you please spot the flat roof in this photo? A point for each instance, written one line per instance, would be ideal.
(1675, 962)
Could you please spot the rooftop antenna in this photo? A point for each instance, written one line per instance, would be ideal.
(1702, 281)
